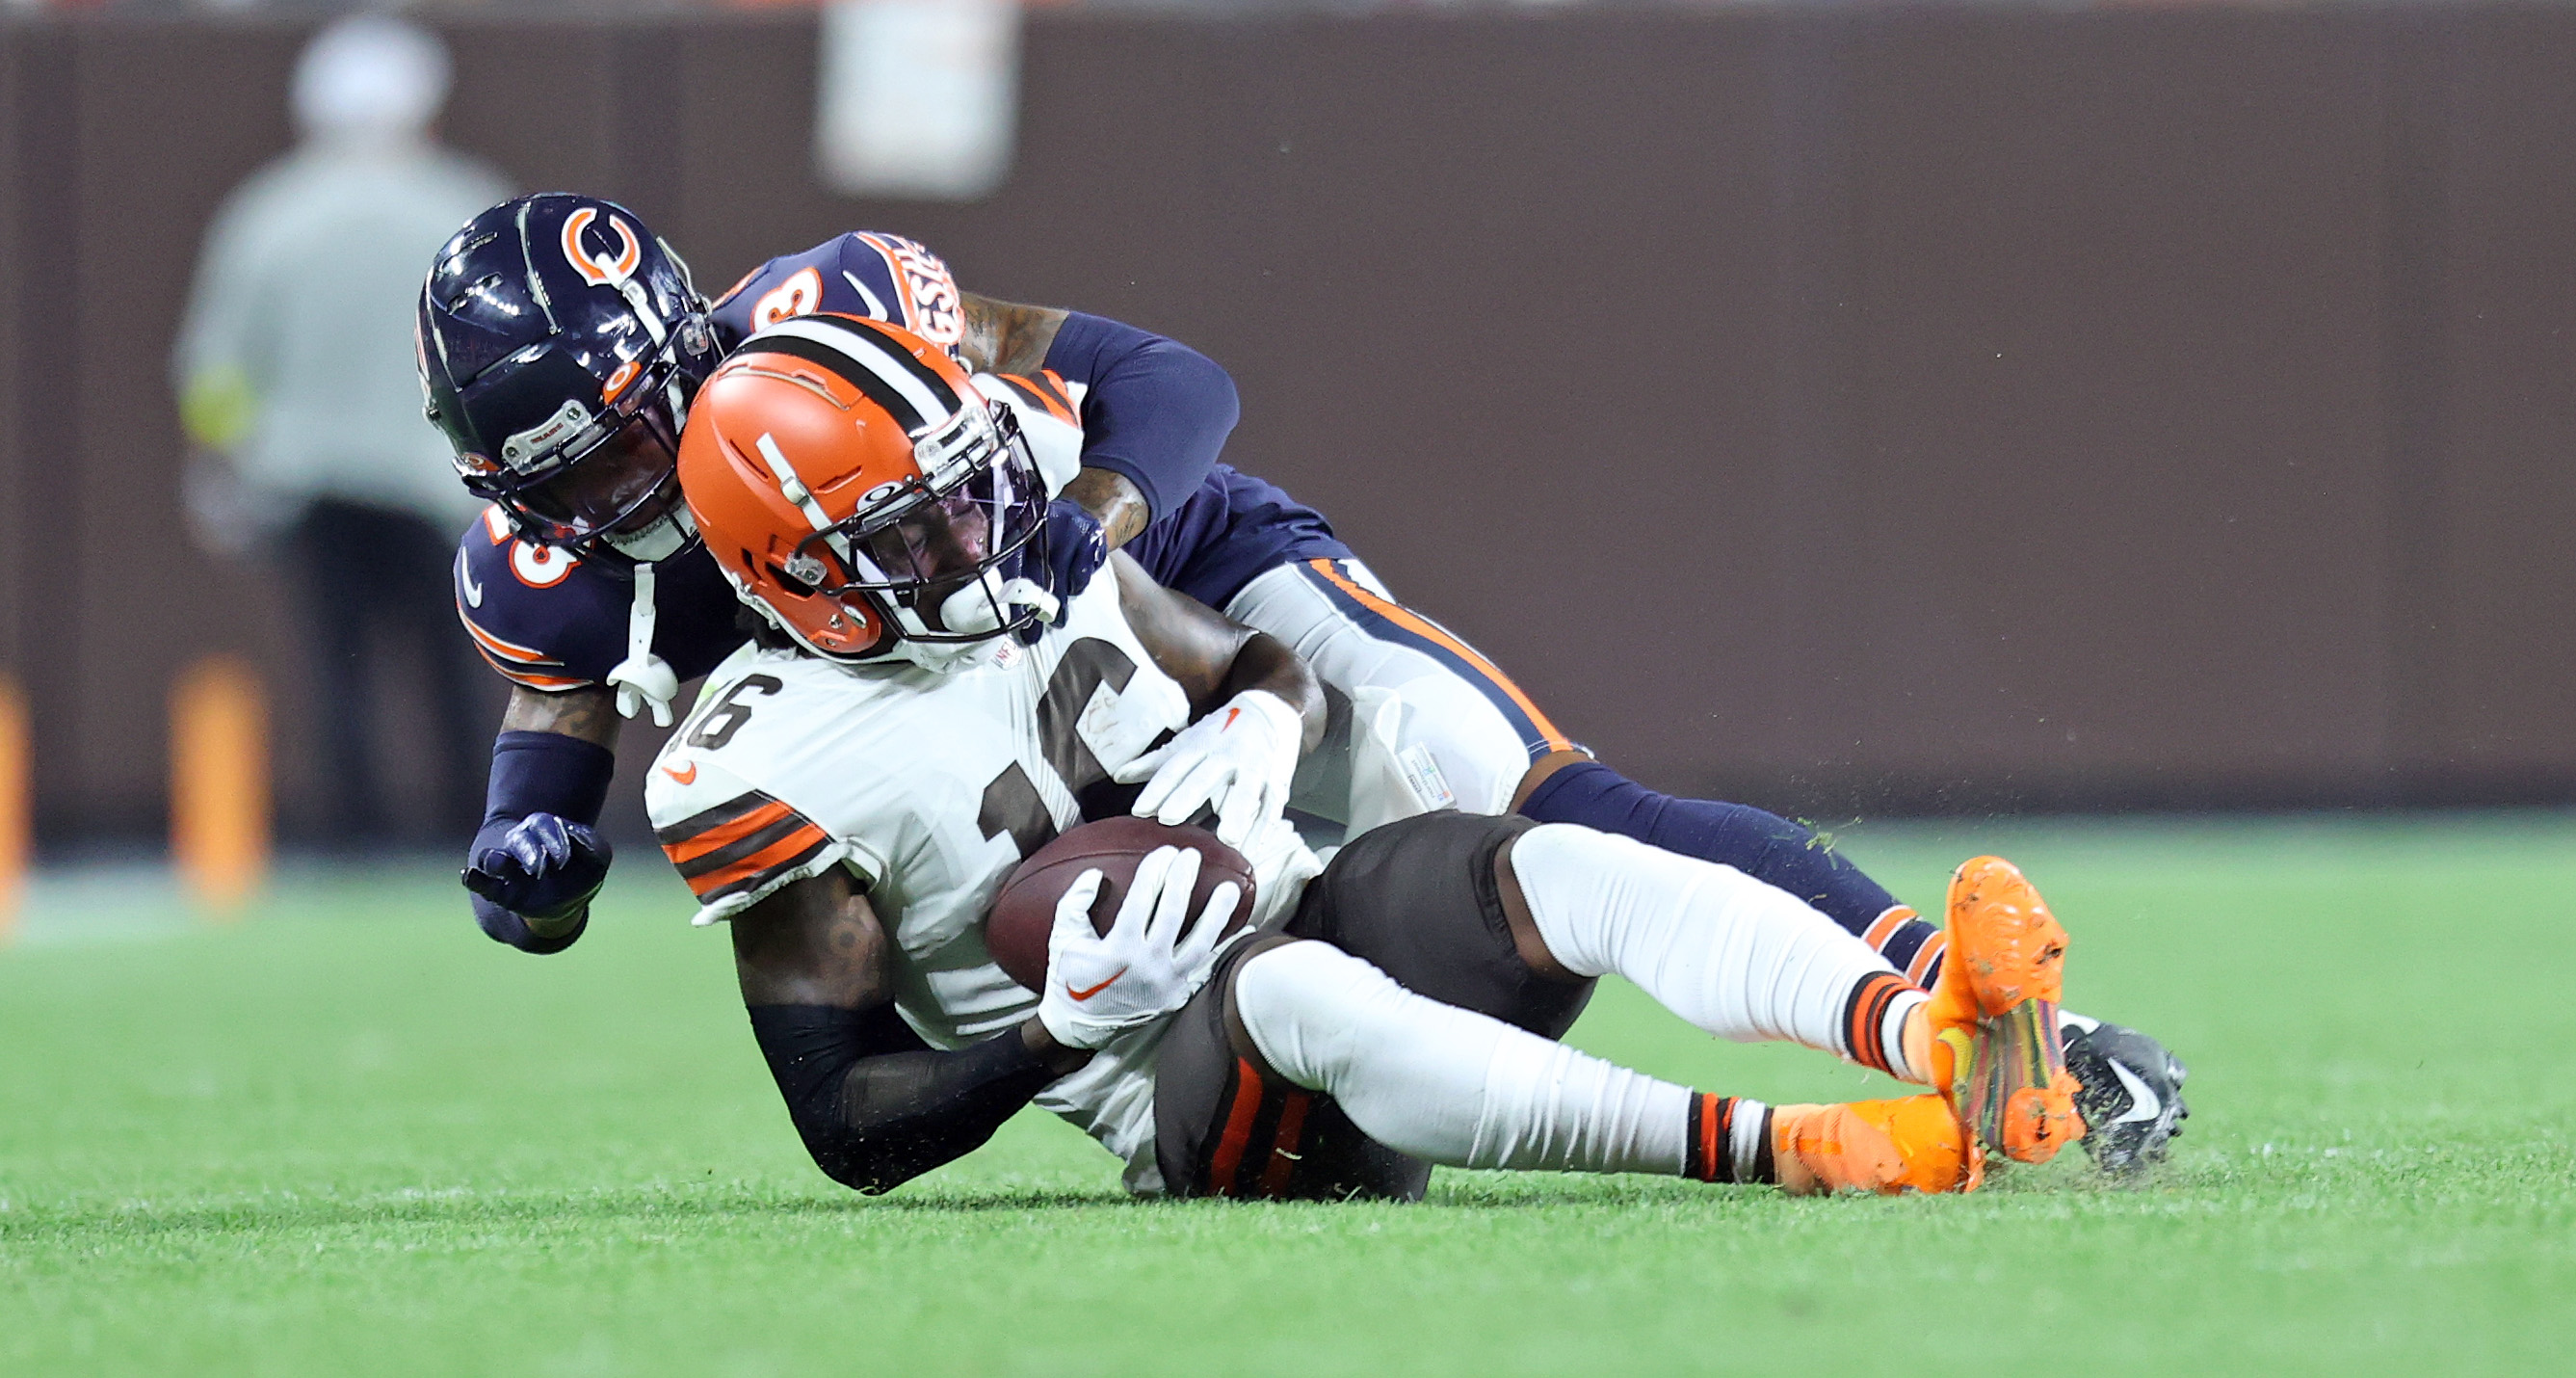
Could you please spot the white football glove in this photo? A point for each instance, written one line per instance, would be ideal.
(1238, 760)
(1098, 986)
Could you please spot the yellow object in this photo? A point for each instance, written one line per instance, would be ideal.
(219, 799)
(17, 804)
(218, 408)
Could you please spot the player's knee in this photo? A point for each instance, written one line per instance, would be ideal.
(1529, 942)
(1308, 1007)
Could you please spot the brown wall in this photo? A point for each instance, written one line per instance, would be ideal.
(1938, 408)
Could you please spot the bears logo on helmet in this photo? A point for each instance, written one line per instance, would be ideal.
(601, 270)
(560, 343)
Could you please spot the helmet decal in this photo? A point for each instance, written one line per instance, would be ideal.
(601, 270)
(525, 448)
(617, 381)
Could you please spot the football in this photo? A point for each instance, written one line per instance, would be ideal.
(1024, 912)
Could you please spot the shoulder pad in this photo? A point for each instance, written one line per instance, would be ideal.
(547, 620)
(882, 276)
(538, 614)
(734, 843)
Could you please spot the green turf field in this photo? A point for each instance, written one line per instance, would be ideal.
(351, 1136)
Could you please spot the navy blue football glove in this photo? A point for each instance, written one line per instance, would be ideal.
(544, 867)
(502, 926)
(1076, 549)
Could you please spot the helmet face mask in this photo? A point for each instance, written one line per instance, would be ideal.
(559, 340)
(936, 565)
(864, 538)
(914, 546)
(625, 479)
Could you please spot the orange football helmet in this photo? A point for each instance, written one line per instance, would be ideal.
(861, 494)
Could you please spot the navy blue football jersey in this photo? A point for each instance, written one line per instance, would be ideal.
(551, 621)
(1232, 530)
(882, 276)
(547, 620)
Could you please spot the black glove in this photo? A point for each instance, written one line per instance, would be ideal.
(543, 867)
(502, 926)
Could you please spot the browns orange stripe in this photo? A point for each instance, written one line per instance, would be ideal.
(1879, 932)
(787, 849)
(1423, 627)
(1238, 1129)
(1925, 956)
(1283, 1147)
(735, 829)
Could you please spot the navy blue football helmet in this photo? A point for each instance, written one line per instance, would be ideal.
(560, 344)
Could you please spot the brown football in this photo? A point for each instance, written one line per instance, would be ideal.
(1024, 913)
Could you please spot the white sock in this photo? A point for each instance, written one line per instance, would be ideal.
(1449, 1085)
(1738, 958)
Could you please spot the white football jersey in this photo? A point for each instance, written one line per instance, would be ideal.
(930, 787)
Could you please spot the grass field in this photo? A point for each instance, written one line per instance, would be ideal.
(350, 1136)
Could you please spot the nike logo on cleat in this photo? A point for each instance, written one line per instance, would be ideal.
(2144, 1104)
(1095, 990)
(689, 777)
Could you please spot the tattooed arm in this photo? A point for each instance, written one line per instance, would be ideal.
(1155, 413)
(588, 715)
(1006, 337)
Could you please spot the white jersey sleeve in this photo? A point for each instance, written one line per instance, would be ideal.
(736, 844)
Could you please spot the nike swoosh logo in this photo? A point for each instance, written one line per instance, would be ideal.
(1230, 715)
(1095, 990)
(2144, 1104)
(690, 777)
(473, 591)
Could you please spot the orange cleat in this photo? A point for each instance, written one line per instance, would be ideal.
(1996, 1051)
(1880, 1146)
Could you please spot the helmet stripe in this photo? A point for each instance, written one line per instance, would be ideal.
(874, 332)
(865, 342)
(825, 353)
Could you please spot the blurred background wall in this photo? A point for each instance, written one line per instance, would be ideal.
(1846, 410)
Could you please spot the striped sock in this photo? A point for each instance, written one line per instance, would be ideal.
(1874, 1024)
(1729, 1140)
(1909, 944)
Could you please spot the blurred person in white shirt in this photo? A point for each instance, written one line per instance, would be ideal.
(298, 388)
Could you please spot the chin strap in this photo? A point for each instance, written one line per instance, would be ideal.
(644, 678)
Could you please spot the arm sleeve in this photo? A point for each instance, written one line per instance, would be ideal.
(875, 1105)
(1155, 410)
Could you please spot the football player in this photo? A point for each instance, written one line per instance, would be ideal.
(561, 344)
(852, 793)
